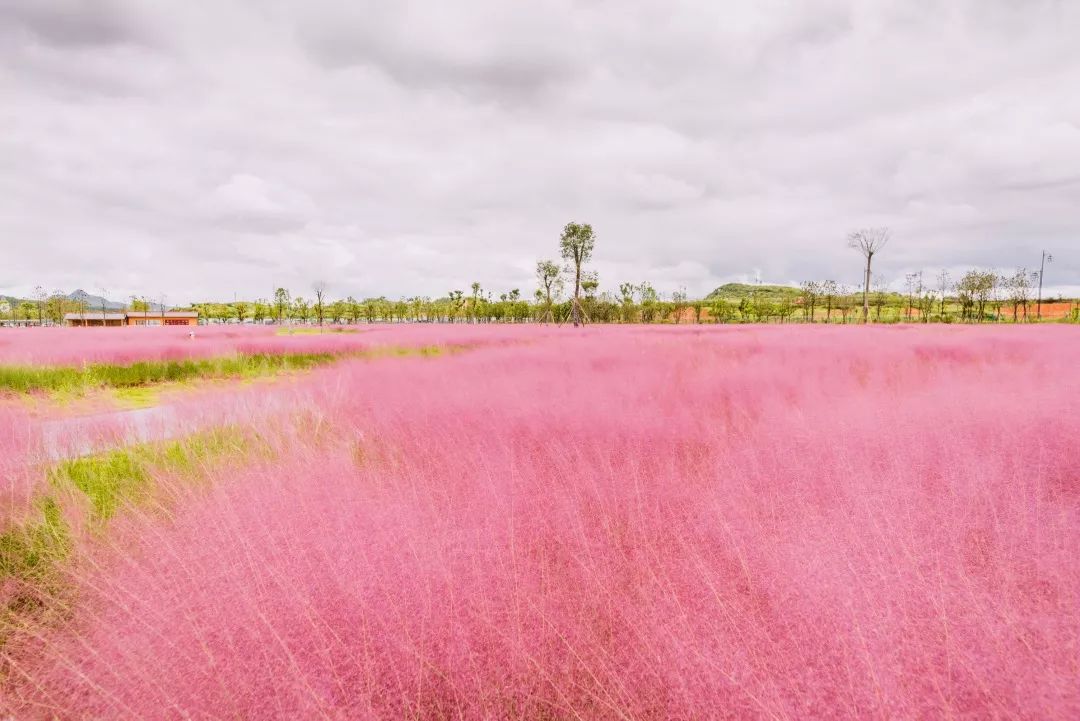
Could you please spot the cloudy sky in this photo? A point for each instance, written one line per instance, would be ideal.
(201, 149)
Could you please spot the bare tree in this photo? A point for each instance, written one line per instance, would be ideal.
(576, 246)
(918, 289)
(319, 288)
(996, 283)
(926, 303)
(943, 287)
(829, 290)
(102, 291)
(810, 293)
(910, 281)
(40, 295)
(868, 241)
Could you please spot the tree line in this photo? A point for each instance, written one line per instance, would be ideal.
(570, 292)
(44, 307)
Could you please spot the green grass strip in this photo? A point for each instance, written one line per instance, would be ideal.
(30, 379)
(76, 380)
(307, 330)
(114, 478)
(32, 552)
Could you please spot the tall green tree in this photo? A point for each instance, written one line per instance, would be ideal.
(626, 301)
(474, 304)
(281, 302)
(301, 308)
(650, 302)
(547, 275)
(456, 300)
(679, 303)
(721, 310)
(576, 246)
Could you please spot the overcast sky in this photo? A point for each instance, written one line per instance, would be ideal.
(199, 149)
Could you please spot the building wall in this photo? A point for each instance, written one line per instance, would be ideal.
(157, 320)
(132, 320)
(93, 323)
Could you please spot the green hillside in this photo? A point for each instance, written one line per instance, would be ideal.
(738, 291)
(11, 300)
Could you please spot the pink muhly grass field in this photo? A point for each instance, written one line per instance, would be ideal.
(123, 346)
(614, 522)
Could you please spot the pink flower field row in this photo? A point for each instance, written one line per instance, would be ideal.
(124, 346)
(601, 523)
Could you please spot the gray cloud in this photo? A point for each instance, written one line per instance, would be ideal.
(410, 148)
(491, 49)
(73, 23)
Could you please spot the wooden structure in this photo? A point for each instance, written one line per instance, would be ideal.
(132, 317)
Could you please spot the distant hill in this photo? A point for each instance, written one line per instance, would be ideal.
(10, 300)
(94, 302)
(738, 291)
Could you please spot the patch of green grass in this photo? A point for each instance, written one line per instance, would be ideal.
(24, 379)
(112, 479)
(31, 554)
(308, 330)
(136, 397)
(30, 551)
(397, 351)
(105, 479)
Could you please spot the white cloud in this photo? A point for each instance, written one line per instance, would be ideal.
(411, 148)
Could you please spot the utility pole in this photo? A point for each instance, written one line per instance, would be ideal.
(1042, 267)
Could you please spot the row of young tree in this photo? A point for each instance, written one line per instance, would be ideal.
(44, 308)
(49, 308)
(570, 292)
(977, 296)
